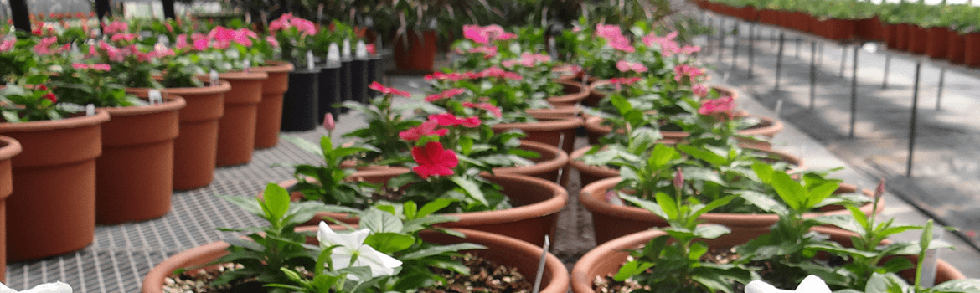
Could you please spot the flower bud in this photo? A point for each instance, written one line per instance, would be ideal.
(679, 179)
(881, 188)
(328, 122)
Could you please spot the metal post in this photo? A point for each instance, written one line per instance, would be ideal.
(168, 9)
(751, 49)
(813, 73)
(721, 39)
(821, 54)
(779, 57)
(915, 114)
(854, 90)
(735, 41)
(888, 63)
(939, 92)
(799, 43)
(843, 59)
(20, 15)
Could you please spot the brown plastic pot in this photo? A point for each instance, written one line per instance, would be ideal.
(536, 205)
(134, 175)
(767, 128)
(592, 173)
(559, 132)
(195, 149)
(501, 249)
(936, 44)
(236, 128)
(415, 54)
(868, 29)
(574, 94)
(548, 166)
(889, 32)
(52, 211)
(839, 29)
(956, 48)
(769, 16)
(918, 39)
(606, 259)
(971, 51)
(8, 149)
(903, 32)
(612, 221)
(556, 113)
(269, 112)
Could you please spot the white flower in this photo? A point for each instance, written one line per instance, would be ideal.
(351, 245)
(56, 287)
(811, 284)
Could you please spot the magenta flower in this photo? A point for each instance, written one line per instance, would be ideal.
(652, 39)
(182, 42)
(447, 119)
(387, 90)
(626, 66)
(201, 44)
(485, 106)
(7, 45)
(328, 123)
(500, 73)
(682, 70)
(123, 37)
(475, 33)
(624, 81)
(723, 105)
(444, 95)
(427, 128)
(434, 160)
(487, 51)
(115, 27)
(700, 90)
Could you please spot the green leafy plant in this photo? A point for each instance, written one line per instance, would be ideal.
(30, 100)
(326, 183)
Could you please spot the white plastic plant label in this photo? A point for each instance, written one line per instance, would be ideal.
(155, 97)
(346, 49)
(89, 110)
(163, 40)
(248, 65)
(333, 53)
(309, 59)
(361, 50)
(214, 78)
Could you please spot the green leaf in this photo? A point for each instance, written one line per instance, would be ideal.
(968, 285)
(646, 204)
(472, 189)
(764, 171)
(304, 144)
(276, 201)
(668, 205)
(711, 231)
(818, 194)
(703, 155)
(389, 243)
(790, 191)
(662, 155)
(434, 206)
(422, 253)
(764, 202)
(379, 221)
(630, 269)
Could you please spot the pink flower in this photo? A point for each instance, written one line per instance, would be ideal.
(679, 179)
(370, 49)
(328, 122)
(387, 90)
(722, 105)
(115, 27)
(50, 97)
(272, 41)
(500, 73)
(652, 39)
(103, 67)
(626, 66)
(447, 119)
(123, 37)
(607, 31)
(624, 81)
(427, 128)
(444, 95)
(79, 66)
(682, 70)
(182, 42)
(434, 160)
(7, 45)
(506, 36)
(700, 90)
(487, 51)
(485, 106)
(43, 47)
(170, 28)
(475, 33)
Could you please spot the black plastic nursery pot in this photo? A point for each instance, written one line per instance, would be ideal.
(359, 80)
(328, 90)
(345, 82)
(375, 70)
(299, 104)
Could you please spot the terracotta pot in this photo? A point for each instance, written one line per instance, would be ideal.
(971, 51)
(559, 133)
(502, 249)
(868, 29)
(820, 27)
(417, 54)
(574, 94)
(903, 32)
(606, 259)
(749, 13)
(769, 16)
(889, 33)
(937, 40)
(196, 147)
(918, 39)
(8, 149)
(269, 112)
(52, 211)
(956, 48)
(236, 128)
(839, 29)
(556, 113)
(134, 175)
(802, 21)
(592, 173)
(536, 205)
(612, 221)
(766, 128)
(550, 165)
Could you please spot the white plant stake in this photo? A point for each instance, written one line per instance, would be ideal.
(89, 110)
(213, 75)
(346, 49)
(248, 65)
(309, 59)
(163, 40)
(333, 53)
(361, 50)
(155, 97)
(544, 254)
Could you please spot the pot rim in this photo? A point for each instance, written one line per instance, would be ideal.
(575, 163)
(243, 75)
(100, 117)
(223, 87)
(171, 103)
(9, 147)
(153, 280)
(543, 125)
(769, 127)
(583, 92)
(560, 160)
(275, 66)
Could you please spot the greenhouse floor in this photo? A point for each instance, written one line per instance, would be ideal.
(122, 254)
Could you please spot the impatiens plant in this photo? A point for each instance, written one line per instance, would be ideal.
(16, 59)
(295, 36)
(326, 183)
(86, 84)
(385, 122)
(30, 100)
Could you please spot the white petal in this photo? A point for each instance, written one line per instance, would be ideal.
(381, 264)
(758, 286)
(813, 284)
(5, 289)
(56, 287)
(328, 237)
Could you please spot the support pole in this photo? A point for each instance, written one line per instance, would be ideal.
(751, 49)
(939, 92)
(813, 73)
(721, 39)
(854, 90)
(735, 41)
(20, 15)
(102, 9)
(799, 43)
(843, 59)
(779, 57)
(888, 63)
(168, 9)
(913, 119)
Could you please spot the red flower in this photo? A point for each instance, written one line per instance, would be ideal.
(722, 105)
(444, 95)
(50, 97)
(485, 106)
(387, 90)
(446, 119)
(434, 160)
(427, 128)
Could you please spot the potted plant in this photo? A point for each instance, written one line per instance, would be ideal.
(59, 147)
(9, 148)
(390, 250)
(294, 36)
(269, 114)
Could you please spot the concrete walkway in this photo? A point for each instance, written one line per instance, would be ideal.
(946, 166)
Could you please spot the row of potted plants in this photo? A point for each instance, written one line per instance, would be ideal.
(442, 158)
(944, 31)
